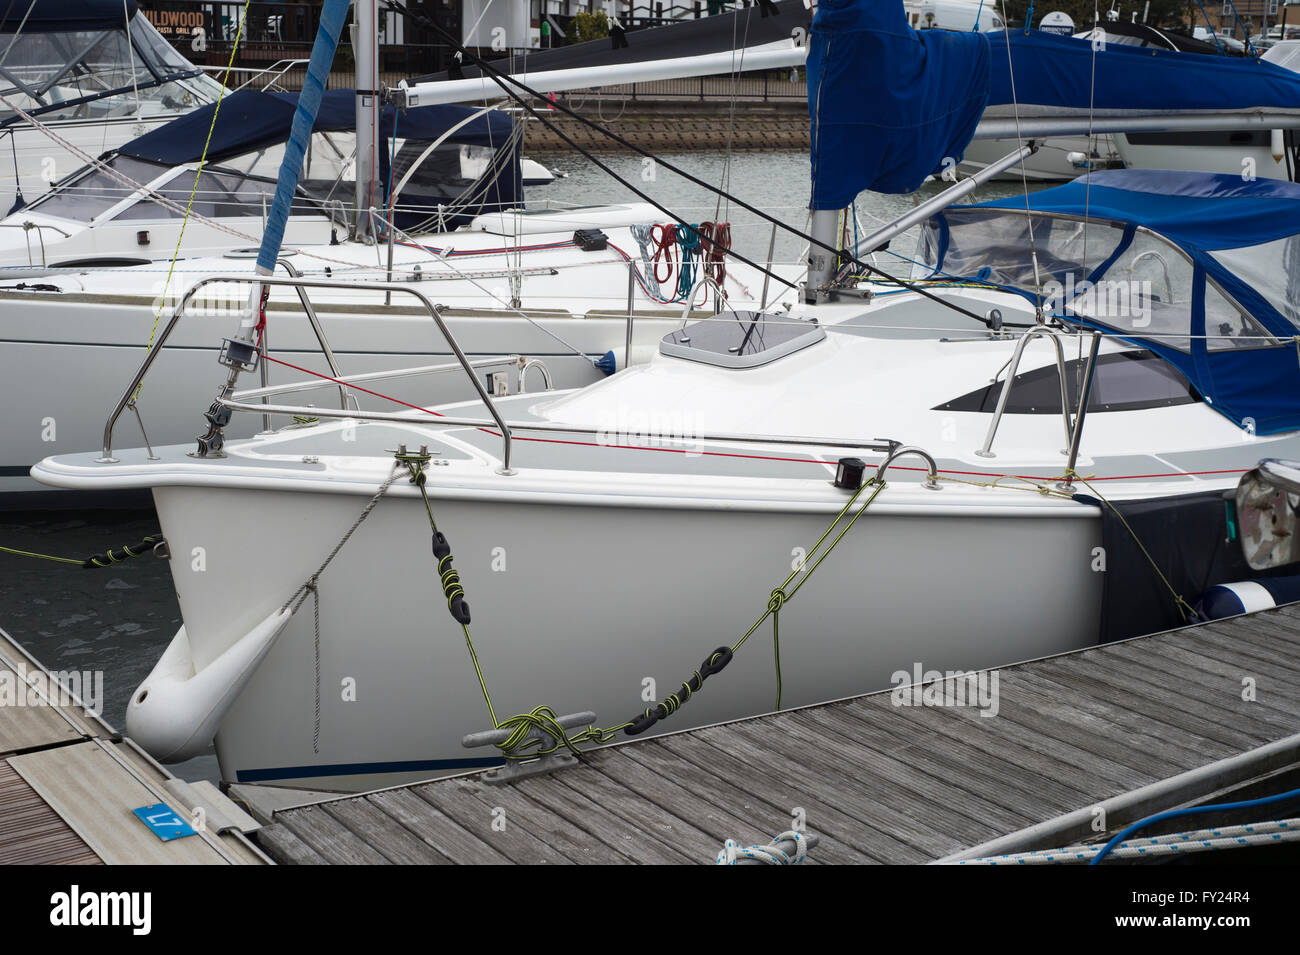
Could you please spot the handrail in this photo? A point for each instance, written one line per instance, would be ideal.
(523, 374)
(719, 296)
(415, 416)
(301, 283)
(1084, 398)
(27, 226)
(987, 450)
(931, 469)
(344, 394)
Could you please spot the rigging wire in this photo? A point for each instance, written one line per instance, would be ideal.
(502, 79)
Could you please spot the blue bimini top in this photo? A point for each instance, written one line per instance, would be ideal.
(1202, 269)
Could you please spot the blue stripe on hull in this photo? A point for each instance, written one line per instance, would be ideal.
(365, 769)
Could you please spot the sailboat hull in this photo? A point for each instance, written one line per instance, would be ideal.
(591, 606)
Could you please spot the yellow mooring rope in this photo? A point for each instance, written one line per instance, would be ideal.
(520, 744)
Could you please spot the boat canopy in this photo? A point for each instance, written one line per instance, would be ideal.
(481, 156)
(890, 105)
(1202, 269)
(46, 15)
(93, 59)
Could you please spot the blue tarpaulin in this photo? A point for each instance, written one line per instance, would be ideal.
(1241, 238)
(890, 105)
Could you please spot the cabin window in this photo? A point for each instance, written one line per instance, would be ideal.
(1125, 381)
(94, 191)
(217, 196)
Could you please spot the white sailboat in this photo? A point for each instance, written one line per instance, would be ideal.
(92, 281)
(611, 537)
(96, 73)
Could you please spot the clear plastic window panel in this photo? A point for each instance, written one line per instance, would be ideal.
(995, 246)
(1146, 291)
(219, 195)
(84, 197)
(44, 70)
(1227, 326)
(1273, 270)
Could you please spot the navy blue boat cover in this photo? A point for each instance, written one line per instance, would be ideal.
(1242, 239)
(54, 15)
(888, 104)
(250, 120)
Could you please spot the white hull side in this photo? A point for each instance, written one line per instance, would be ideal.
(592, 601)
(41, 159)
(100, 347)
(1049, 164)
(1225, 159)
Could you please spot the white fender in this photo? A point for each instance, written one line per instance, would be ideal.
(175, 712)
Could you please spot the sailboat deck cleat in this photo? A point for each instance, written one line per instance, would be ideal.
(516, 769)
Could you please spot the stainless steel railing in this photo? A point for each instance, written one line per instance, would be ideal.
(296, 281)
(1012, 369)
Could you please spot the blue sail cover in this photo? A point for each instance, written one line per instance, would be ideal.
(1226, 312)
(888, 104)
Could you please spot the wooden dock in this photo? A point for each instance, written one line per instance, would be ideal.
(69, 784)
(1134, 727)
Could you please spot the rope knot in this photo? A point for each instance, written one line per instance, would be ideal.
(777, 600)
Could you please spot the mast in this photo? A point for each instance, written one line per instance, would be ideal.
(365, 51)
(821, 263)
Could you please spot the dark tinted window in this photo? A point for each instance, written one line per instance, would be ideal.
(1127, 381)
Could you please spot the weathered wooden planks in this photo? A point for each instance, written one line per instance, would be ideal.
(878, 782)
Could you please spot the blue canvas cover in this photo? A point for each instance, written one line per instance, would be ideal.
(1234, 335)
(54, 15)
(887, 104)
(890, 105)
(250, 120)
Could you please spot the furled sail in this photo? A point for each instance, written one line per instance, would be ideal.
(887, 104)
